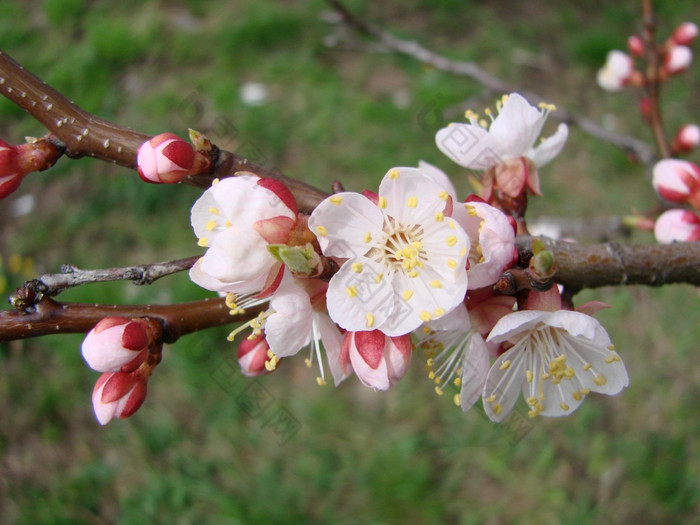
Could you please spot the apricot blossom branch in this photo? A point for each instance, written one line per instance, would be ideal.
(80, 134)
(638, 148)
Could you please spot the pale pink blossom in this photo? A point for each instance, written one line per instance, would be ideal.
(617, 71)
(685, 34)
(492, 242)
(483, 144)
(678, 59)
(166, 159)
(236, 219)
(405, 256)
(118, 394)
(677, 181)
(677, 226)
(378, 360)
(556, 360)
(117, 343)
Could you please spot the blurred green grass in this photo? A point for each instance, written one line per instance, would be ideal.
(193, 453)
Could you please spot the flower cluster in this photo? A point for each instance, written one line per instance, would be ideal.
(369, 278)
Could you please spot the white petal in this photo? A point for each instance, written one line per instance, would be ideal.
(517, 126)
(456, 320)
(237, 255)
(439, 177)
(550, 147)
(503, 384)
(242, 200)
(347, 225)
(470, 146)
(475, 369)
(360, 301)
(514, 324)
(411, 197)
(332, 340)
(287, 330)
(576, 323)
(208, 282)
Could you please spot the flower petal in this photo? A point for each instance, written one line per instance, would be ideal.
(475, 369)
(287, 329)
(517, 126)
(470, 146)
(503, 384)
(549, 147)
(410, 196)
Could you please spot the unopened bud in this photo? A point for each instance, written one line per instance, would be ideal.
(685, 34)
(677, 60)
(252, 355)
(687, 139)
(118, 394)
(543, 265)
(18, 161)
(167, 159)
(678, 181)
(635, 46)
(677, 225)
(616, 72)
(119, 344)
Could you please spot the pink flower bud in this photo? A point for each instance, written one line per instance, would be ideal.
(166, 158)
(677, 60)
(377, 359)
(252, 355)
(677, 181)
(685, 34)
(117, 344)
(10, 175)
(616, 72)
(677, 225)
(687, 138)
(117, 394)
(635, 46)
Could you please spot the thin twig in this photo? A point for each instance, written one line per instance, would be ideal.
(71, 276)
(636, 147)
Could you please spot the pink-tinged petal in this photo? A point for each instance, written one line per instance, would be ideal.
(678, 59)
(360, 301)
(117, 386)
(398, 353)
(274, 230)
(242, 201)
(470, 146)
(549, 301)
(503, 384)
(9, 184)
(346, 225)
(514, 323)
(108, 349)
(675, 179)
(517, 126)
(287, 330)
(677, 225)
(104, 412)
(592, 307)
(274, 279)
(439, 177)
(332, 339)
(549, 148)
(377, 377)
(685, 34)
(370, 347)
(475, 369)
(485, 315)
(237, 255)
(130, 403)
(252, 355)
(282, 193)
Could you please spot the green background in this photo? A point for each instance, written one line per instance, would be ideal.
(338, 108)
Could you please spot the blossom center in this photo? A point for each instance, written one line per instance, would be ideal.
(402, 248)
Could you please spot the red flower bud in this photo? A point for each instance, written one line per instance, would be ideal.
(166, 158)
(118, 394)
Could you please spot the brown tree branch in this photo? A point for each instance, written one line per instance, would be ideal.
(51, 317)
(631, 145)
(71, 276)
(84, 134)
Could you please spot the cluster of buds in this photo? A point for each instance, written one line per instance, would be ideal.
(126, 351)
(18, 161)
(167, 159)
(675, 57)
(678, 181)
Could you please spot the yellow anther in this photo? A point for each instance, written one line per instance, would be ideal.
(320, 381)
(431, 374)
(308, 362)
(425, 316)
(412, 274)
(611, 347)
(426, 330)
(351, 291)
(451, 224)
(585, 391)
(487, 112)
(586, 367)
(505, 365)
(451, 263)
(612, 358)
(471, 210)
(457, 381)
(412, 202)
(356, 267)
(600, 380)
(369, 318)
(439, 216)
(456, 400)
(211, 225)
(497, 408)
(444, 195)
(417, 245)
(532, 401)
(393, 174)
(228, 224)
(491, 398)
(271, 364)
(564, 406)
(438, 391)
(439, 312)
(378, 278)
(214, 211)
(451, 240)
(368, 237)
(381, 203)
(469, 114)
(215, 181)
(321, 230)
(407, 294)
(203, 242)
(576, 395)
(336, 199)
(529, 375)
(436, 284)
(463, 252)
(484, 123)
